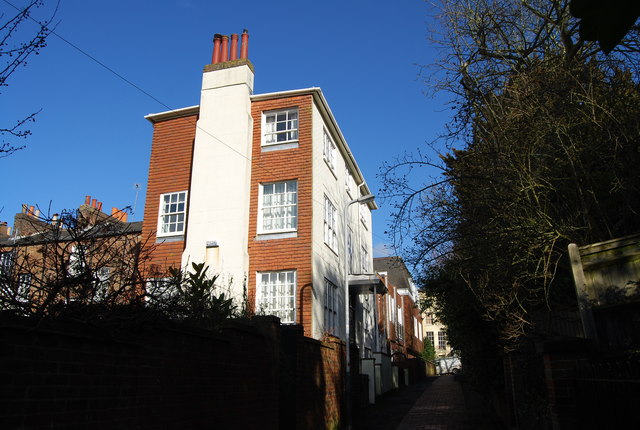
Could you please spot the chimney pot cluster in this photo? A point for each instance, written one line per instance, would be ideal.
(93, 202)
(222, 52)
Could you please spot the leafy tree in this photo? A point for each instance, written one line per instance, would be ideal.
(547, 131)
(428, 353)
(17, 44)
(191, 296)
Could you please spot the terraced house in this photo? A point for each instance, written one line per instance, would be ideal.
(264, 189)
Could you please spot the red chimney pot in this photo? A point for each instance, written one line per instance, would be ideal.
(224, 48)
(234, 47)
(87, 200)
(244, 44)
(216, 49)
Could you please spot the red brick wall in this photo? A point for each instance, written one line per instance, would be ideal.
(151, 376)
(146, 377)
(169, 171)
(282, 165)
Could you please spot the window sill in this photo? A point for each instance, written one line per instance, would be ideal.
(333, 171)
(278, 235)
(332, 250)
(174, 238)
(278, 146)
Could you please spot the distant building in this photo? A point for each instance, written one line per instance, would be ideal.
(436, 333)
(399, 309)
(86, 256)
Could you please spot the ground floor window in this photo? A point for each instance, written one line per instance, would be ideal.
(276, 293)
(330, 307)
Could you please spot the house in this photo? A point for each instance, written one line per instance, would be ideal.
(399, 325)
(436, 333)
(81, 255)
(257, 186)
(400, 309)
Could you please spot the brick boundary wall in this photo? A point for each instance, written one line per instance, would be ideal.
(164, 376)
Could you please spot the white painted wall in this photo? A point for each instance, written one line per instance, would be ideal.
(221, 173)
(328, 263)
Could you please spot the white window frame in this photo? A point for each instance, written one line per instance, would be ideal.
(270, 137)
(262, 208)
(162, 214)
(330, 307)
(274, 297)
(400, 325)
(350, 251)
(349, 182)
(102, 283)
(330, 151)
(330, 224)
(364, 259)
(23, 291)
(431, 337)
(363, 215)
(77, 260)
(6, 261)
(442, 340)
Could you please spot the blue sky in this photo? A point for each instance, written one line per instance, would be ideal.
(90, 137)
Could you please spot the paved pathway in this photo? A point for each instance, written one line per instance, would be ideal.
(434, 403)
(441, 407)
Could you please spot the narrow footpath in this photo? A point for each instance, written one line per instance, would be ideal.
(433, 403)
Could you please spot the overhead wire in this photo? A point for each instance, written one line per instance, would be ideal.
(154, 98)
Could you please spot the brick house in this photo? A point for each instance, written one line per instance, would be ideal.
(255, 186)
(84, 255)
(400, 315)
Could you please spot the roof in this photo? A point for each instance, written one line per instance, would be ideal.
(100, 230)
(397, 273)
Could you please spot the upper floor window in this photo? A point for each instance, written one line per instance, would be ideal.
(364, 254)
(276, 293)
(173, 214)
(278, 207)
(363, 215)
(330, 151)
(330, 224)
(5, 262)
(349, 182)
(428, 319)
(280, 127)
(77, 260)
(350, 250)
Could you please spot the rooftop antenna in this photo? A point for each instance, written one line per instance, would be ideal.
(135, 202)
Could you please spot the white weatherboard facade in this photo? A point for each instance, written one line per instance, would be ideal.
(330, 182)
(221, 173)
